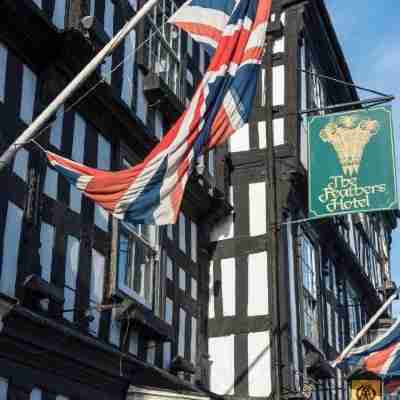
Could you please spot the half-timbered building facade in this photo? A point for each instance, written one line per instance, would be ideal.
(236, 299)
(287, 295)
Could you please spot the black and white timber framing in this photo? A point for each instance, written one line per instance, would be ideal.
(228, 301)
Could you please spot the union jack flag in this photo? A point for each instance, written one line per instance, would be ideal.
(381, 357)
(204, 20)
(151, 192)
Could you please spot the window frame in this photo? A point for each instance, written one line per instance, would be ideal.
(161, 44)
(310, 301)
(135, 237)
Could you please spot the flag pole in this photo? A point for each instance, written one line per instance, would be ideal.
(364, 330)
(38, 123)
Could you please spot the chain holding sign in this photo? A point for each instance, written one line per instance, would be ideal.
(351, 159)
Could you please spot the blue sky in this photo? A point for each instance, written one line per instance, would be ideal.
(369, 32)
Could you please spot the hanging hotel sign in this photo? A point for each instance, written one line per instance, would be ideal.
(351, 162)
(366, 389)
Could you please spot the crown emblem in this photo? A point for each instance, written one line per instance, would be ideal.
(349, 135)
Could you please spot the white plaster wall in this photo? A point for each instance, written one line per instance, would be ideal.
(222, 355)
(279, 45)
(240, 141)
(278, 85)
(211, 308)
(259, 364)
(262, 134)
(257, 284)
(257, 209)
(228, 285)
(278, 129)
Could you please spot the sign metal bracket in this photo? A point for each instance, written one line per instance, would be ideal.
(374, 101)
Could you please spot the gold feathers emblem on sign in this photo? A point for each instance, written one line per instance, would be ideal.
(349, 135)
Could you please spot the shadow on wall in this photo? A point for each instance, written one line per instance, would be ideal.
(247, 370)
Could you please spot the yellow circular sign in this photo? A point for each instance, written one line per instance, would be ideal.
(366, 392)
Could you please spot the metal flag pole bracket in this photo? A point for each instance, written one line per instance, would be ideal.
(374, 101)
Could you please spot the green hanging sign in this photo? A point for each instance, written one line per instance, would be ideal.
(351, 162)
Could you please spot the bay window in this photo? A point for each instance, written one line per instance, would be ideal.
(163, 51)
(310, 300)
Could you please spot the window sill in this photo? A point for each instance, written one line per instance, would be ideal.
(128, 292)
(152, 327)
